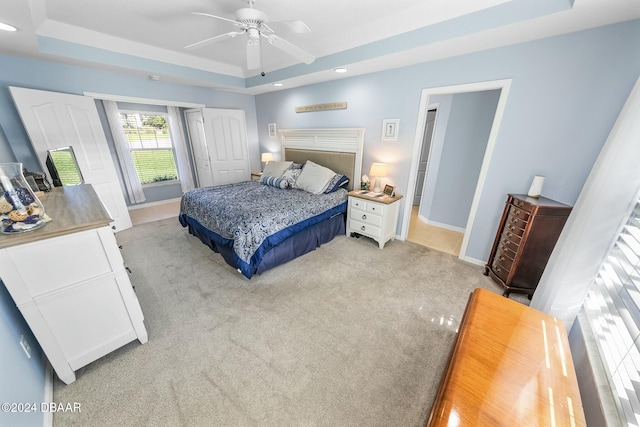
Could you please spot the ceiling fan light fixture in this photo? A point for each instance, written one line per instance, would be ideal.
(253, 23)
(253, 33)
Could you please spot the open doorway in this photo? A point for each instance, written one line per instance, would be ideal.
(463, 135)
(421, 230)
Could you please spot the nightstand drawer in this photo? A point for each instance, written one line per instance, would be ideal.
(366, 217)
(365, 229)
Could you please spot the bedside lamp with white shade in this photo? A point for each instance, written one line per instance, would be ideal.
(378, 171)
(266, 157)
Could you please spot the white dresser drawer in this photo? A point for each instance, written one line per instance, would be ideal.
(375, 208)
(367, 217)
(365, 229)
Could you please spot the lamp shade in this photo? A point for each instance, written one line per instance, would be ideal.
(267, 157)
(379, 170)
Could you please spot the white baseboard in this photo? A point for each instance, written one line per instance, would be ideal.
(475, 261)
(441, 225)
(151, 204)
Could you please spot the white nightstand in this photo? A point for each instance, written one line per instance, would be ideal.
(374, 217)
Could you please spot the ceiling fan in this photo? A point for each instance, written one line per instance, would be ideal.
(253, 23)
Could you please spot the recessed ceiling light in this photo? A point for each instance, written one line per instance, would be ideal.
(278, 84)
(340, 70)
(7, 27)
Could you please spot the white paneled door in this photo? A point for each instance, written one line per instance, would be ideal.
(55, 120)
(220, 147)
(195, 126)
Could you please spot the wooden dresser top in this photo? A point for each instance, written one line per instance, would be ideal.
(511, 366)
(72, 209)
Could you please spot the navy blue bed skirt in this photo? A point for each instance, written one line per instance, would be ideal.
(272, 254)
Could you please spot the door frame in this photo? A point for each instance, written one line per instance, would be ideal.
(504, 85)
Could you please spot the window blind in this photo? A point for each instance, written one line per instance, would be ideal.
(612, 307)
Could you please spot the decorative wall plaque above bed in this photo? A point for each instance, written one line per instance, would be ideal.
(322, 107)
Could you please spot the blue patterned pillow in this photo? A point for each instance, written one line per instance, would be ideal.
(291, 175)
(336, 182)
(274, 181)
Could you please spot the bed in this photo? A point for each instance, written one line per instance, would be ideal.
(256, 226)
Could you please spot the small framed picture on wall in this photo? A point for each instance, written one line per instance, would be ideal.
(272, 130)
(390, 129)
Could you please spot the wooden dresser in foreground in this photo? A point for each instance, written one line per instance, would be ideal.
(510, 366)
(69, 281)
(527, 234)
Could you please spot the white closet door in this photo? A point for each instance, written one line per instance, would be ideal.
(55, 120)
(226, 135)
(195, 126)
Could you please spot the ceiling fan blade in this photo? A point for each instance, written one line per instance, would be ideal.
(291, 49)
(215, 39)
(253, 54)
(217, 17)
(295, 26)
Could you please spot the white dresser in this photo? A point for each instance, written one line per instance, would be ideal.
(374, 217)
(69, 281)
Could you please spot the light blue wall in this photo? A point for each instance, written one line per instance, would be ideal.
(465, 143)
(14, 142)
(566, 92)
(21, 379)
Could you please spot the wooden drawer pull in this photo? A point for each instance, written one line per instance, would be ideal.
(501, 258)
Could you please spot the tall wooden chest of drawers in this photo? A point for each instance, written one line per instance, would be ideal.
(527, 234)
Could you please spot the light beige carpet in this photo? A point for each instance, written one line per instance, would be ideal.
(348, 335)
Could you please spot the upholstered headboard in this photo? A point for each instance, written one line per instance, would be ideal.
(337, 149)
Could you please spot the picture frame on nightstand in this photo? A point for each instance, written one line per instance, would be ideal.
(389, 190)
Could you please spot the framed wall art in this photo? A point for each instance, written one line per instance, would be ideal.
(390, 128)
(272, 130)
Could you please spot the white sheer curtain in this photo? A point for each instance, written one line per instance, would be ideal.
(180, 147)
(130, 176)
(599, 213)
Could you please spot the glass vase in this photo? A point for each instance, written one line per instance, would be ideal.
(20, 209)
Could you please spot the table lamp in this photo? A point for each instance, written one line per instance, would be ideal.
(378, 171)
(266, 157)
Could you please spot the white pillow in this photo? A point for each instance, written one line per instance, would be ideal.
(276, 168)
(314, 178)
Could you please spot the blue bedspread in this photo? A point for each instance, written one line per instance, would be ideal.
(253, 217)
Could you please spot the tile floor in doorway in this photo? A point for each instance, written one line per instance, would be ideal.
(433, 237)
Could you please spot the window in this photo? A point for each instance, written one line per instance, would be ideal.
(613, 309)
(150, 146)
